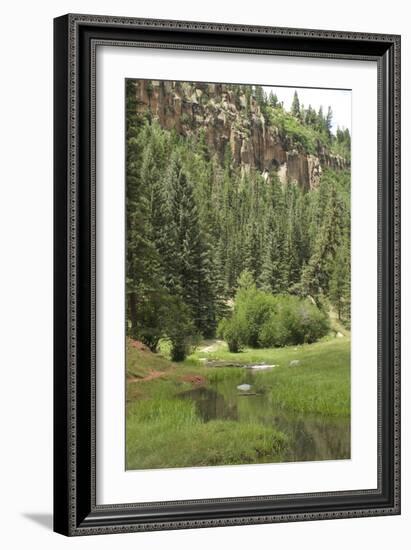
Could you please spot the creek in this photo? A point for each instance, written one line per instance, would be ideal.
(246, 398)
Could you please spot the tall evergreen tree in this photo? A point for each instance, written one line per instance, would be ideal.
(295, 106)
(321, 123)
(329, 121)
(311, 116)
(188, 258)
(141, 253)
(252, 249)
(274, 275)
(316, 274)
(340, 282)
(196, 220)
(273, 100)
(259, 95)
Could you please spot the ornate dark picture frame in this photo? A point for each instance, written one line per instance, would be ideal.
(75, 40)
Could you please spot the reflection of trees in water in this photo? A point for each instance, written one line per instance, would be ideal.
(211, 405)
(316, 439)
(310, 437)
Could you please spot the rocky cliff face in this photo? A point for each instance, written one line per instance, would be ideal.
(230, 117)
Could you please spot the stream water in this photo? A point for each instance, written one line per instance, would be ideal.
(311, 437)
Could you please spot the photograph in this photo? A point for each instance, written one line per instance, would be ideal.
(227, 275)
(238, 274)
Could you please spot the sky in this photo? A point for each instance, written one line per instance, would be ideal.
(339, 100)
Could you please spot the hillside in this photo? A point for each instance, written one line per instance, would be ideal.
(261, 135)
(221, 182)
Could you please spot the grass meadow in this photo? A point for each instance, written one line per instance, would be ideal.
(166, 429)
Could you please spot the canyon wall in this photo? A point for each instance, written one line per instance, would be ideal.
(231, 117)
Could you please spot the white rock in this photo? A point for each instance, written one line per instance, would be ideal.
(263, 367)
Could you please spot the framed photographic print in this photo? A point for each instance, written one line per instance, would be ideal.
(227, 280)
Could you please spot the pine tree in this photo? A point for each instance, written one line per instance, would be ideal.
(141, 256)
(295, 106)
(221, 294)
(166, 228)
(321, 125)
(188, 259)
(245, 282)
(274, 275)
(340, 282)
(259, 95)
(273, 100)
(268, 280)
(311, 116)
(196, 221)
(316, 273)
(252, 249)
(329, 121)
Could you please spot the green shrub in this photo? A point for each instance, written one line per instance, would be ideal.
(261, 319)
(221, 328)
(232, 332)
(291, 128)
(253, 312)
(293, 321)
(273, 334)
(313, 323)
(232, 335)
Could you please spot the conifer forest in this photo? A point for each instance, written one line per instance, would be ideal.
(237, 276)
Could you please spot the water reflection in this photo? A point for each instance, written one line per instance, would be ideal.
(211, 405)
(311, 437)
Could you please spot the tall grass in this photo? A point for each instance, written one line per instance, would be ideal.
(320, 384)
(170, 434)
(165, 431)
(164, 411)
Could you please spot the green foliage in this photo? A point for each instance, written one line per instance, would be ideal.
(231, 330)
(295, 106)
(252, 309)
(320, 384)
(161, 443)
(342, 144)
(259, 95)
(165, 430)
(293, 321)
(328, 121)
(340, 290)
(180, 329)
(196, 222)
(169, 412)
(245, 283)
(307, 130)
(273, 100)
(261, 319)
(295, 132)
(149, 326)
(332, 225)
